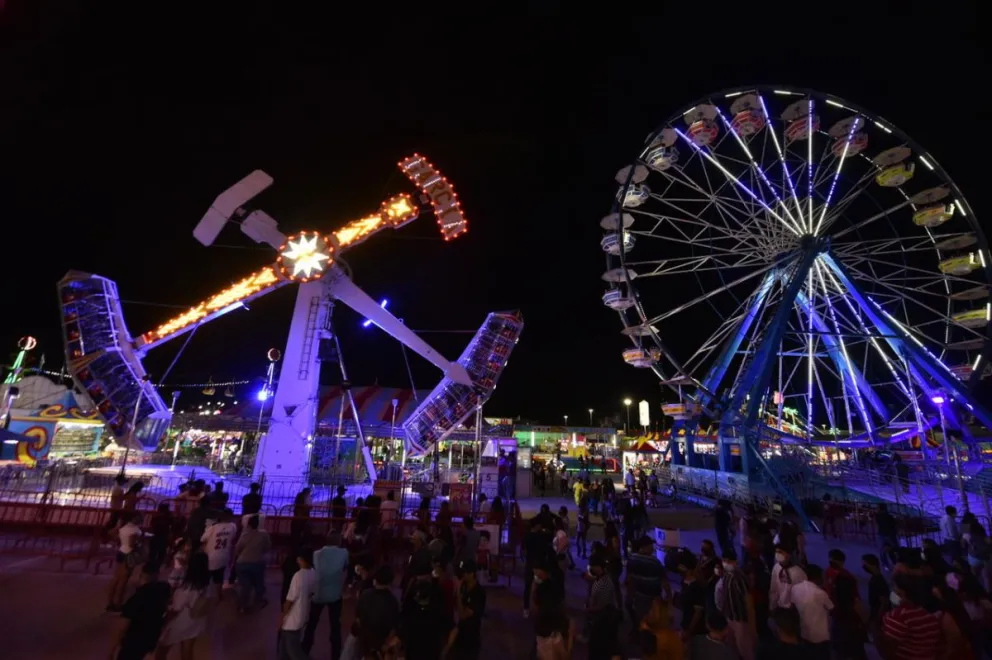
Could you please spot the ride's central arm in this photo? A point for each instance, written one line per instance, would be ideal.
(343, 289)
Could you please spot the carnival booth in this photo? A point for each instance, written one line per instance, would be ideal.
(58, 427)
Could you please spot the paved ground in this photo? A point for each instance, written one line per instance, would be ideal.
(52, 615)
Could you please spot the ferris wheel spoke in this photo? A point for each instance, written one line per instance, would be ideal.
(755, 168)
(733, 179)
(711, 294)
(833, 183)
(706, 263)
(781, 156)
(743, 215)
(906, 300)
(710, 199)
(869, 220)
(895, 245)
(694, 231)
(903, 271)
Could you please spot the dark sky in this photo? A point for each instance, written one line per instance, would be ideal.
(119, 129)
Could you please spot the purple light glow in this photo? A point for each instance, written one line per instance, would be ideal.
(938, 399)
(367, 322)
(263, 394)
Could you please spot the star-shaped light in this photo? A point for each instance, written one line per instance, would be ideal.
(306, 256)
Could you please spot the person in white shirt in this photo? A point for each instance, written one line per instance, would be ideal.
(814, 606)
(296, 608)
(389, 510)
(785, 575)
(218, 543)
(950, 533)
(130, 542)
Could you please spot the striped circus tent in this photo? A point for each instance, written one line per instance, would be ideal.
(374, 403)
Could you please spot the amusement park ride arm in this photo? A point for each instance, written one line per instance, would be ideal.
(309, 256)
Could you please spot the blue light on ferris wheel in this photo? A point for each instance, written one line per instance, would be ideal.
(367, 322)
(263, 394)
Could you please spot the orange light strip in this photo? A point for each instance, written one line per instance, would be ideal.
(395, 212)
(256, 284)
(357, 231)
(447, 208)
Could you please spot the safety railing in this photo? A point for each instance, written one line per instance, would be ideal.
(80, 536)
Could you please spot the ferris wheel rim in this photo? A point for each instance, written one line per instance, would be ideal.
(973, 225)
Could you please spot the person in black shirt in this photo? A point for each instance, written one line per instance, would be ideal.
(886, 534)
(377, 613)
(339, 508)
(145, 613)
(466, 639)
(693, 598)
(537, 544)
(878, 590)
(251, 503)
(423, 620)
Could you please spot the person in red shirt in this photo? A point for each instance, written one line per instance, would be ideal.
(909, 632)
(835, 570)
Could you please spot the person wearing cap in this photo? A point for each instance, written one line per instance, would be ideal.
(465, 641)
(331, 565)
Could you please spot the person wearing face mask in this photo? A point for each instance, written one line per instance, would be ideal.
(835, 570)
(602, 613)
(814, 607)
(784, 576)
(734, 602)
(908, 630)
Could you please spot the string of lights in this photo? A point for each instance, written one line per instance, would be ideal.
(227, 383)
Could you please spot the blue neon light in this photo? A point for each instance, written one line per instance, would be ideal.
(367, 322)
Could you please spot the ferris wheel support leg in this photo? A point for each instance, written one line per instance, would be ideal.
(284, 449)
(719, 369)
(917, 355)
(757, 376)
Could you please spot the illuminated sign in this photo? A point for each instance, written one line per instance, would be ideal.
(441, 193)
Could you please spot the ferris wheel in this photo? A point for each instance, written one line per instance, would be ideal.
(776, 250)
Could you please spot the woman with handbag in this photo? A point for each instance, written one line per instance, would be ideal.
(187, 615)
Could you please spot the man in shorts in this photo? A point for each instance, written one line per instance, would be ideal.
(218, 543)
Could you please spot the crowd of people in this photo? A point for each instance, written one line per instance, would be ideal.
(751, 592)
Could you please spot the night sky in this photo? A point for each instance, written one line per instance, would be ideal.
(118, 130)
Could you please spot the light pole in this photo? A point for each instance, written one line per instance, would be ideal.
(566, 420)
(590, 417)
(626, 426)
(939, 400)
